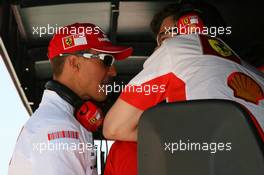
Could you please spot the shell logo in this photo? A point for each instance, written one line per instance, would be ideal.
(245, 87)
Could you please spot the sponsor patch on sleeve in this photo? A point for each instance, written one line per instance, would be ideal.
(63, 134)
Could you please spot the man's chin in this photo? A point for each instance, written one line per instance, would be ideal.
(100, 98)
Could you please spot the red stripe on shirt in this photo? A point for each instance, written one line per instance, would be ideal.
(174, 90)
(63, 134)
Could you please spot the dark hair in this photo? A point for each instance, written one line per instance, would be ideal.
(208, 13)
(169, 10)
(57, 64)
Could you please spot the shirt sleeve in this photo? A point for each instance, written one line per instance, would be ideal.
(155, 83)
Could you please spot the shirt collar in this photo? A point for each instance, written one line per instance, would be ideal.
(52, 98)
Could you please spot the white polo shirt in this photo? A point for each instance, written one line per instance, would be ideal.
(190, 67)
(53, 142)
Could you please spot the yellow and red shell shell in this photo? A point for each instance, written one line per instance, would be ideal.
(245, 87)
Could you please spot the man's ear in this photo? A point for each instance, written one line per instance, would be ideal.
(74, 62)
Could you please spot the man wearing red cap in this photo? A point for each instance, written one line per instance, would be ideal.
(57, 139)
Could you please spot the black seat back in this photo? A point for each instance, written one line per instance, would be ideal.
(203, 137)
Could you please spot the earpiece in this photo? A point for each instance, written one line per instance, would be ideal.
(87, 113)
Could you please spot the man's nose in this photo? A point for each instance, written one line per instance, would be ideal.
(112, 71)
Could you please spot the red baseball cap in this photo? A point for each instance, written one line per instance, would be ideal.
(83, 36)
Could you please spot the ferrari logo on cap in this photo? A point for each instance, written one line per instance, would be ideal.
(244, 87)
(186, 21)
(220, 47)
(68, 42)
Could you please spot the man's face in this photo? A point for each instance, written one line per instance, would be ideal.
(167, 23)
(92, 76)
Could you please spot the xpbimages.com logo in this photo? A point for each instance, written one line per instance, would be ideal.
(188, 145)
(72, 30)
(146, 89)
(212, 31)
(61, 146)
